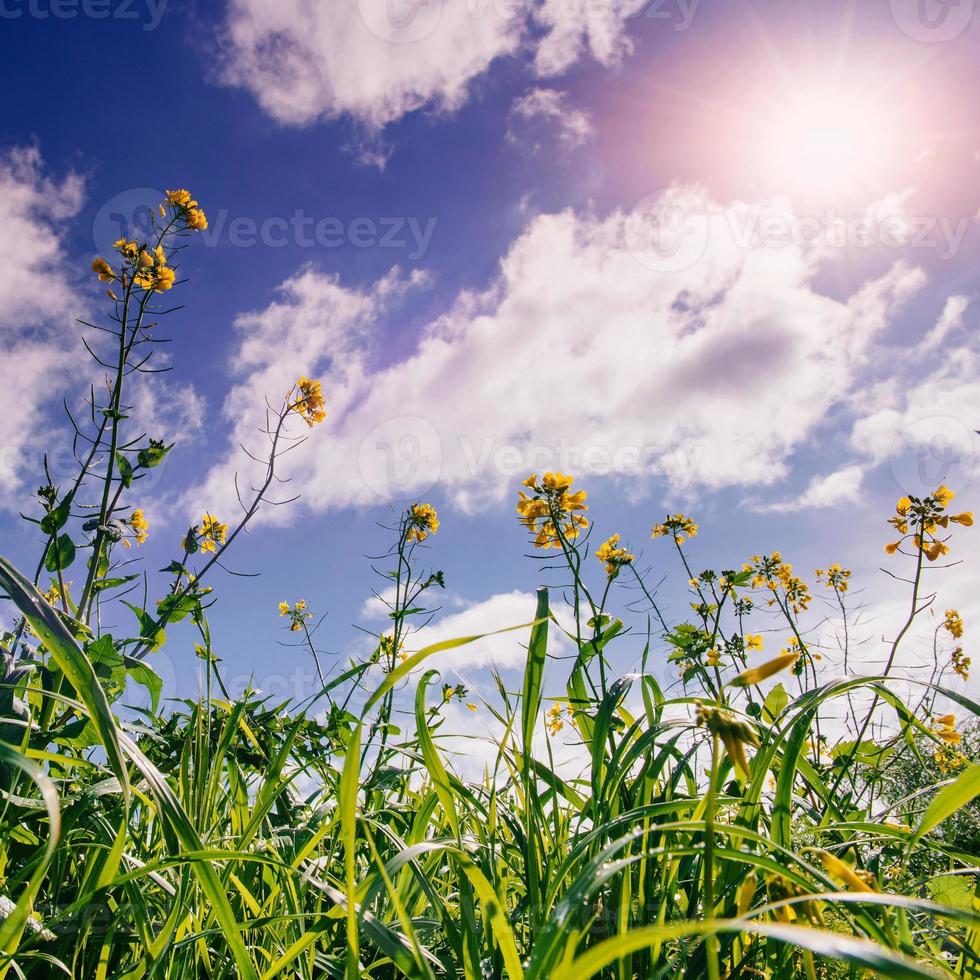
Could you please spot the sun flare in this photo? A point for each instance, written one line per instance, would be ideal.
(824, 143)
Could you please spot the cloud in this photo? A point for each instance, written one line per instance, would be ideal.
(836, 489)
(950, 321)
(377, 60)
(505, 650)
(573, 126)
(594, 351)
(37, 299)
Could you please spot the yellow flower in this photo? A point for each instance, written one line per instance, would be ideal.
(753, 641)
(137, 522)
(953, 624)
(472, 707)
(614, 556)
(557, 482)
(855, 881)
(756, 674)
(553, 719)
(212, 532)
(966, 519)
(422, 521)
(309, 405)
(945, 729)
(283, 608)
(837, 577)
(179, 199)
(554, 513)
(126, 248)
(103, 269)
(943, 495)
(678, 525)
(712, 657)
(197, 220)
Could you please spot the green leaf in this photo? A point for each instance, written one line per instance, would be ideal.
(154, 455)
(948, 800)
(148, 631)
(125, 470)
(12, 926)
(776, 700)
(953, 890)
(73, 663)
(61, 553)
(55, 520)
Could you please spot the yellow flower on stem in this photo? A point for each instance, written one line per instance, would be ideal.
(855, 881)
(206, 535)
(138, 523)
(753, 641)
(309, 405)
(553, 513)
(614, 556)
(678, 525)
(422, 520)
(756, 674)
(103, 269)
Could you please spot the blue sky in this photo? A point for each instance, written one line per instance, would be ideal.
(711, 257)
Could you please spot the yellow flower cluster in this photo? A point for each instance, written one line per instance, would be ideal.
(296, 612)
(960, 664)
(921, 520)
(953, 624)
(837, 577)
(678, 525)
(945, 728)
(422, 521)
(554, 718)
(309, 404)
(772, 573)
(151, 271)
(205, 536)
(553, 512)
(187, 209)
(146, 267)
(138, 523)
(614, 556)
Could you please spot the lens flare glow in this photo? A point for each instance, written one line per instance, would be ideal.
(824, 143)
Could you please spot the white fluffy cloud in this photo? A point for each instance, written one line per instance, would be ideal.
(377, 60)
(573, 126)
(832, 490)
(704, 368)
(36, 333)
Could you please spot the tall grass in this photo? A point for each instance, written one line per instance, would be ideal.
(766, 821)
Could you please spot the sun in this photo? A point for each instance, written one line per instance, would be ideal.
(824, 144)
